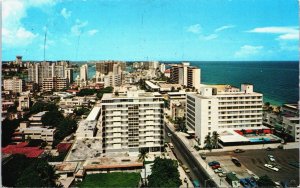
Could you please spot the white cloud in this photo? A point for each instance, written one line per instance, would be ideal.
(248, 50)
(77, 29)
(14, 32)
(208, 37)
(92, 32)
(224, 28)
(65, 13)
(194, 28)
(285, 33)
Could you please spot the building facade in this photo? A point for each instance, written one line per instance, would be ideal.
(54, 84)
(15, 85)
(186, 75)
(131, 121)
(222, 107)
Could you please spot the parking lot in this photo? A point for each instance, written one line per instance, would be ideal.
(254, 161)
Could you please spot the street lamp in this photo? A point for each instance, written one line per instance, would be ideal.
(185, 181)
(206, 181)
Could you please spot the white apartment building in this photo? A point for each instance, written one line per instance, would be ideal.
(223, 107)
(130, 121)
(74, 102)
(83, 73)
(24, 103)
(15, 85)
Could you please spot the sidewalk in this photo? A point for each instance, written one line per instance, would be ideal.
(181, 171)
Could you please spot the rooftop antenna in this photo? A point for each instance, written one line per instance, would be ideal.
(45, 43)
(77, 45)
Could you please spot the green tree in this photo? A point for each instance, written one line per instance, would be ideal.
(208, 142)
(164, 173)
(38, 174)
(142, 157)
(52, 118)
(42, 106)
(8, 128)
(265, 181)
(64, 129)
(215, 139)
(12, 169)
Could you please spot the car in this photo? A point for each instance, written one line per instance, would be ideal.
(212, 163)
(251, 181)
(203, 156)
(269, 149)
(245, 183)
(196, 183)
(222, 174)
(218, 170)
(186, 169)
(271, 158)
(271, 167)
(236, 161)
(239, 151)
(215, 166)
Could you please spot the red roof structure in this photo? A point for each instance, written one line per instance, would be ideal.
(63, 147)
(21, 148)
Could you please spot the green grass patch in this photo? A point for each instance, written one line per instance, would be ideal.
(114, 179)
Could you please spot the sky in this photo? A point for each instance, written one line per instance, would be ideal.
(167, 30)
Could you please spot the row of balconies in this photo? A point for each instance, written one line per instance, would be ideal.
(242, 117)
(239, 122)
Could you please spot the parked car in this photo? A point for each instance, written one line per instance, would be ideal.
(271, 158)
(245, 183)
(251, 181)
(196, 183)
(218, 170)
(222, 174)
(236, 161)
(269, 149)
(239, 151)
(212, 163)
(215, 166)
(186, 169)
(271, 167)
(203, 156)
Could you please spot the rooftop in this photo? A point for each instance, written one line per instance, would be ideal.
(94, 113)
(21, 148)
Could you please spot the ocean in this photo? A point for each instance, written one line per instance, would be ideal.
(278, 81)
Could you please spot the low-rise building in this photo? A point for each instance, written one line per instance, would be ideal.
(291, 126)
(36, 119)
(24, 103)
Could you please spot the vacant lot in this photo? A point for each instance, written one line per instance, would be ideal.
(115, 179)
(254, 160)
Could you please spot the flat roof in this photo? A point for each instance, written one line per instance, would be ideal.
(150, 84)
(112, 162)
(232, 136)
(94, 113)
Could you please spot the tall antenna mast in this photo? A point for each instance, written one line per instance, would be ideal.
(45, 44)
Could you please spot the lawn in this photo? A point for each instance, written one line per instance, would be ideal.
(114, 179)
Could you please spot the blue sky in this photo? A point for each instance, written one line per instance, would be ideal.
(213, 30)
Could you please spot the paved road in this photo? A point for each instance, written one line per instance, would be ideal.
(183, 154)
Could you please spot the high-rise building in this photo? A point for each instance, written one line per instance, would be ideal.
(15, 85)
(69, 75)
(110, 73)
(37, 72)
(223, 107)
(18, 60)
(131, 121)
(186, 75)
(54, 84)
(83, 74)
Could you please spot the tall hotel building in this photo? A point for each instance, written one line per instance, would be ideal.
(223, 107)
(131, 121)
(186, 75)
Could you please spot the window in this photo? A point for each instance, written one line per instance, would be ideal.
(209, 128)
(209, 107)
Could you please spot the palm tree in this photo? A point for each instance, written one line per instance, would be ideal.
(142, 156)
(207, 142)
(215, 138)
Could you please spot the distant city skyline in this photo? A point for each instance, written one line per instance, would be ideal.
(227, 30)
